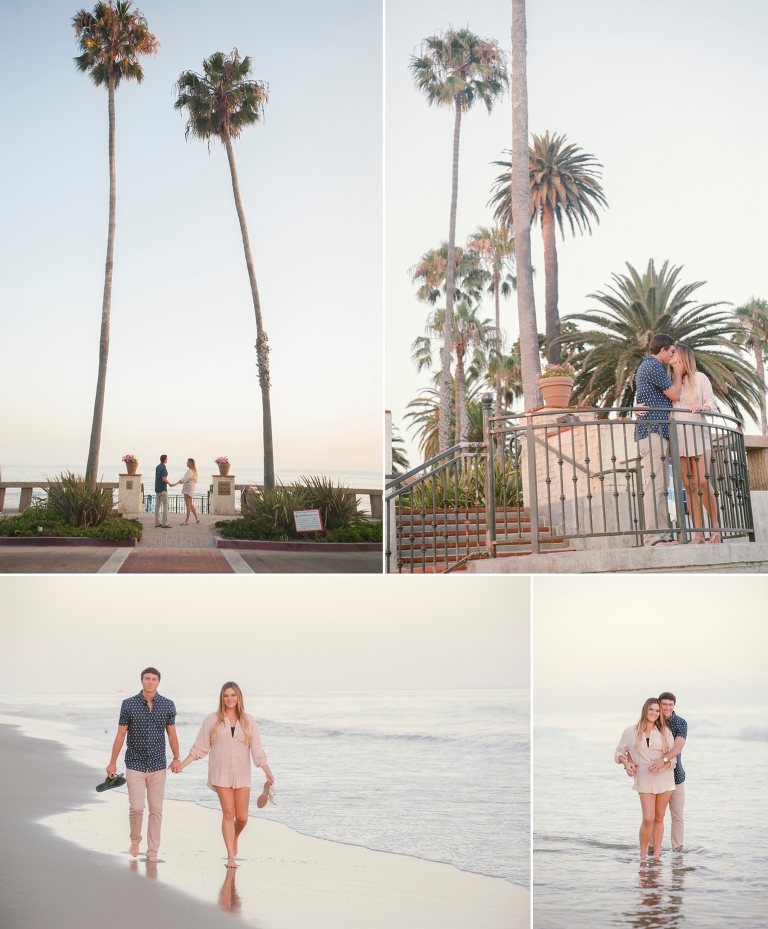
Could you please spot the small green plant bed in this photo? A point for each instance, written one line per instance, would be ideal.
(40, 521)
(263, 531)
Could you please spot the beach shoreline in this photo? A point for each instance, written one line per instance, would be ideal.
(286, 880)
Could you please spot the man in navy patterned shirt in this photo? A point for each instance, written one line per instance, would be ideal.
(146, 719)
(679, 729)
(653, 388)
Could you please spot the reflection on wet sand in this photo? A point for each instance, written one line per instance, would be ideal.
(660, 899)
(229, 898)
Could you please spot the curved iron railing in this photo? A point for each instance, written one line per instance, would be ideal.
(577, 474)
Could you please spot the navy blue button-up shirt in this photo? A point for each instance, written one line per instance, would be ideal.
(678, 727)
(145, 749)
(651, 381)
(160, 472)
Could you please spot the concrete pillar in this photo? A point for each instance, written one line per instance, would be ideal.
(223, 502)
(129, 494)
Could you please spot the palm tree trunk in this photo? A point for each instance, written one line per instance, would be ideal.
(496, 280)
(450, 274)
(92, 468)
(520, 187)
(761, 374)
(462, 413)
(262, 345)
(554, 355)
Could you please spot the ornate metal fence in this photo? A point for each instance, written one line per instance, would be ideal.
(587, 475)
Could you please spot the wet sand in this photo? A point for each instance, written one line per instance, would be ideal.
(285, 880)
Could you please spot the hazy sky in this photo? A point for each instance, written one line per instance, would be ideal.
(70, 635)
(669, 97)
(182, 376)
(607, 643)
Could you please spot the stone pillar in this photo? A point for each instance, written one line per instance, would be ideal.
(129, 494)
(223, 502)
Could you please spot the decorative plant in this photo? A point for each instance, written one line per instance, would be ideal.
(129, 458)
(561, 370)
(82, 504)
(222, 459)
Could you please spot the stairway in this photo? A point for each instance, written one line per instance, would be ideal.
(431, 543)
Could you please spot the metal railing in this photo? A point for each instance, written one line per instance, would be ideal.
(577, 475)
(176, 503)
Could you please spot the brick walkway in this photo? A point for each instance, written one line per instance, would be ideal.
(175, 561)
(178, 536)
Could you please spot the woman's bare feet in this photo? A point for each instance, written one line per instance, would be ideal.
(183, 524)
(134, 849)
(231, 863)
(715, 538)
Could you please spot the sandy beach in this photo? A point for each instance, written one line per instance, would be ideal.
(57, 831)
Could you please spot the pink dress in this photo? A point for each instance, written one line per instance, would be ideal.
(229, 762)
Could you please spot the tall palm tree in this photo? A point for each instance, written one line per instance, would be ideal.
(220, 103)
(495, 249)
(565, 184)
(753, 318)
(520, 216)
(630, 313)
(111, 39)
(424, 415)
(430, 273)
(456, 68)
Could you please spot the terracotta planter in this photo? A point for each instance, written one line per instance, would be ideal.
(556, 391)
(224, 469)
(132, 467)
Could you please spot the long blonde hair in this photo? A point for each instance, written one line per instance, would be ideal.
(690, 393)
(192, 466)
(239, 712)
(660, 724)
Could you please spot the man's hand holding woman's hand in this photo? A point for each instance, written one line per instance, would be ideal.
(176, 766)
(657, 766)
(630, 767)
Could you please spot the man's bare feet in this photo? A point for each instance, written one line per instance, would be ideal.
(231, 863)
(134, 849)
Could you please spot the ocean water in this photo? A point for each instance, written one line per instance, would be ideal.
(586, 817)
(109, 472)
(440, 775)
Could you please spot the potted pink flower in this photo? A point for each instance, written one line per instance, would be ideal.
(556, 383)
(131, 463)
(224, 465)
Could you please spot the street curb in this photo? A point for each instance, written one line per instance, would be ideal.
(63, 541)
(331, 547)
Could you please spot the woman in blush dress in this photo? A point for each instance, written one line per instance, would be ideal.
(230, 738)
(640, 745)
(694, 442)
(189, 482)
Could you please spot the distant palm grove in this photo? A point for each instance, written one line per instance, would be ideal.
(465, 285)
(219, 103)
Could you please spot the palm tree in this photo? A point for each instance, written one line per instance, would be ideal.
(520, 216)
(506, 371)
(399, 454)
(753, 318)
(564, 185)
(630, 313)
(430, 272)
(220, 103)
(456, 68)
(110, 39)
(495, 249)
(424, 414)
(470, 335)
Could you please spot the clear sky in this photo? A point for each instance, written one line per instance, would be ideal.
(669, 97)
(70, 635)
(182, 376)
(606, 643)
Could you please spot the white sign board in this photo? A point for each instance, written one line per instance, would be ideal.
(308, 520)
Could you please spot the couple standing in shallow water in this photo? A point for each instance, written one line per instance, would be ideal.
(651, 754)
(188, 482)
(230, 737)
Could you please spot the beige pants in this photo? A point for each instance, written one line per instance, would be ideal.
(676, 806)
(161, 500)
(149, 785)
(654, 452)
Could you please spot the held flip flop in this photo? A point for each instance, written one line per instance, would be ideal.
(117, 781)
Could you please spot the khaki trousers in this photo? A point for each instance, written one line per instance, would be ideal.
(676, 806)
(654, 453)
(161, 500)
(149, 785)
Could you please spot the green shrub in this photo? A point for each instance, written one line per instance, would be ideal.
(117, 530)
(82, 504)
(270, 512)
(362, 532)
(40, 521)
(252, 530)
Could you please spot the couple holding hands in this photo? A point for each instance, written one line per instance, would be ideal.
(188, 482)
(651, 754)
(230, 739)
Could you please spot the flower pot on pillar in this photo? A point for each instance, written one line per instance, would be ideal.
(131, 463)
(224, 465)
(556, 391)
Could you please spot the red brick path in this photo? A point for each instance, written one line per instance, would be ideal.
(175, 561)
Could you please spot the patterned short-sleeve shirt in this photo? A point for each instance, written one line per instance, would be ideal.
(678, 727)
(651, 381)
(145, 750)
